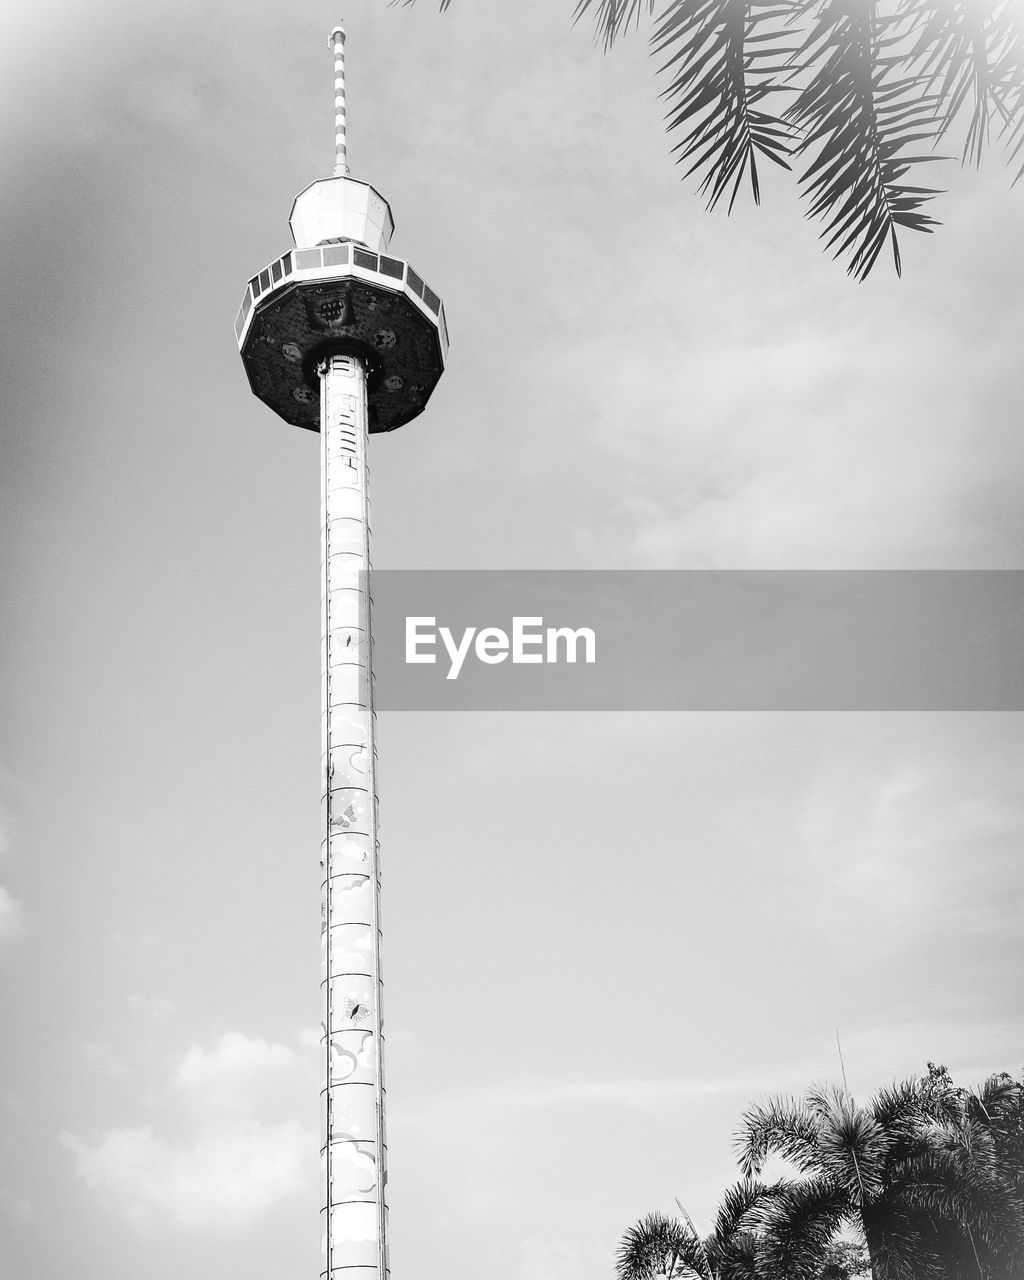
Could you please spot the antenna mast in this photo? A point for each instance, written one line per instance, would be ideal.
(337, 43)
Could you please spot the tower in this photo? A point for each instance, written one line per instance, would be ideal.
(339, 336)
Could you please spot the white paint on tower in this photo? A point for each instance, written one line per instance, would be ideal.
(353, 1206)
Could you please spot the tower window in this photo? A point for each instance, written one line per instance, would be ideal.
(336, 255)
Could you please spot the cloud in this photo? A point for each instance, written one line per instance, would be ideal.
(236, 1159)
(490, 1143)
(635, 1092)
(12, 911)
(228, 1176)
(239, 1073)
(776, 451)
(12, 916)
(920, 842)
(497, 1103)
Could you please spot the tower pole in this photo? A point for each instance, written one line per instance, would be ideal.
(353, 1206)
(341, 337)
(337, 43)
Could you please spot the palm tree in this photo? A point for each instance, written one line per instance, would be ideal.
(736, 1249)
(658, 1246)
(855, 93)
(928, 1178)
(661, 1246)
(986, 1126)
(916, 1174)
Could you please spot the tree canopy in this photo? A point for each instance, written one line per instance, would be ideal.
(924, 1182)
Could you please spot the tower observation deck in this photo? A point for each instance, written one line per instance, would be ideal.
(340, 337)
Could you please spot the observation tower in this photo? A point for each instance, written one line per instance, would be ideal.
(339, 337)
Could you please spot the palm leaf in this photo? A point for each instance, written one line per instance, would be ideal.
(902, 1245)
(877, 84)
(797, 1226)
(857, 116)
(740, 1258)
(853, 1148)
(739, 1205)
(734, 1245)
(659, 1245)
(780, 1126)
(700, 1250)
(614, 17)
(970, 51)
(950, 46)
(998, 1101)
(725, 57)
(964, 1187)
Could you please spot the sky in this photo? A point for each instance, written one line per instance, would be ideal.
(605, 934)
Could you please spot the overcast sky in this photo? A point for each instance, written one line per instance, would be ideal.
(604, 934)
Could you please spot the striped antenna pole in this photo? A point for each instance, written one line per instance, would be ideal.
(337, 43)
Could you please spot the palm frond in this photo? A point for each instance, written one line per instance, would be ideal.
(780, 1126)
(739, 1204)
(877, 84)
(966, 1189)
(734, 1245)
(900, 1107)
(797, 1226)
(1012, 130)
(998, 1099)
(902, 1245)
(853, 1148)
(858, 116)
(726, 57)
(613, 17)
(740, 1258)
(700, 1248)
(955, 49)
(972, 51)
(659, 1245)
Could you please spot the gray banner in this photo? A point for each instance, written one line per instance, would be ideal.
(698, 640)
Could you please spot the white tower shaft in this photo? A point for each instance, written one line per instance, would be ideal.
(353, 1154)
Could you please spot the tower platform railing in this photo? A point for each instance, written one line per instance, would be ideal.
(325, 261)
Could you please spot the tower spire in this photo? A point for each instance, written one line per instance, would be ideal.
(337, 43)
